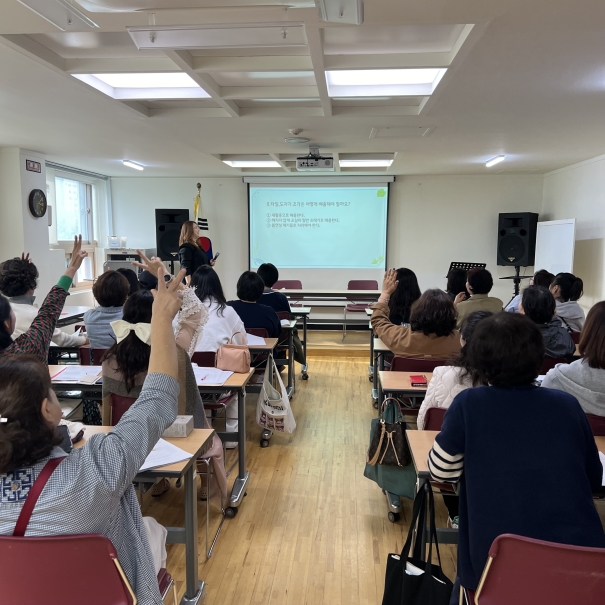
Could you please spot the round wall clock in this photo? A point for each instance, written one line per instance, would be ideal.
(37, 203)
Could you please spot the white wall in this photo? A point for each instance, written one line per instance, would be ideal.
(578, 191)
(433, 220)
(225, 203)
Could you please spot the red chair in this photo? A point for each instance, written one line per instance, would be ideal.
(433, 420)
(119, 406)
(575, 336)
(85, 356)
(97, 355)
(289, 284)
(352, 307)
(525, 571)
(94, 571)
(262, 332)
(204, 359)
(597, 424)
(414, 364)
(550, 362)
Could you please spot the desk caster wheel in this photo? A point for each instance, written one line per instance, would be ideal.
(231, 511)
(371, 378)
(264, 443)
(375, 404)
(305, 376)
(393, 517)
(179, 482)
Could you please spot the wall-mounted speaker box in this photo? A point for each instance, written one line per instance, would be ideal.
(168, 225)
(517, 239)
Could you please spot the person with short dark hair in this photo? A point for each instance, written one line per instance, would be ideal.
(110, 291)
(567, 290)
(540, 278)
(538, 304)
(18, 282)
(148, 281)
(432, 330)
(132, 278)
(250, 289)
(456, 283)
(406, 294)
(272, 298)
(479, 283)
(585, 378)
(509, 471)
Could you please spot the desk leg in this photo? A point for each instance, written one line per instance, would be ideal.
(290, 389)
(375, 377)
(194, 592)
(239, 486)
(380, 357)
(372, 354)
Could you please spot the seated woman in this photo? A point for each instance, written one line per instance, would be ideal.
(538, 304)
(585, 378)
(405, 295)
(125, 365)
(541, 278)
(567, 290)
(250, 289)
(18, 282)
(479, 283)
(456, 283)
(91, 490)
(432, 330)
(133, 280)
(36, 340)
(534, 477)
(110, 291)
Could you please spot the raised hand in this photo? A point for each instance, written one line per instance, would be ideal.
(167, 302)
(154, 264)
(25, 257)
(390, 282)
(77, 257)
(460, 297)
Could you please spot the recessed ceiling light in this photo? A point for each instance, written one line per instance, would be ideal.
(296, 140)
(252, 163)
(383, 82)
(132, 164)
(494, 161)
(175, 79)
(365, 163)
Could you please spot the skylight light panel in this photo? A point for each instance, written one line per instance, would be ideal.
(252, 163)
(365, 163)
(148, 80)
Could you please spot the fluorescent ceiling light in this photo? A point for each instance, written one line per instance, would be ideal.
(219, 35)
(61, 13)
(252, 163)
(176, 79)
(133, 86)
(383, 82)
(365, 163)
(132, 164)
(494, 161)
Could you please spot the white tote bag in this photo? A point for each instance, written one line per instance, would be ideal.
(273, 411)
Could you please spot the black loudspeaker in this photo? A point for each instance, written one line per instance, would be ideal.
(168, 225)
(517, 239)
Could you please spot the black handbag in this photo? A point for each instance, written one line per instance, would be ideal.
(389, 445)
(414, 580)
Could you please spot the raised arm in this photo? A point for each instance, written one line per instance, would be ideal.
(37, 339)
(387, 331)
(119, 455)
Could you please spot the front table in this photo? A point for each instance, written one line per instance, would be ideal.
(198, 442)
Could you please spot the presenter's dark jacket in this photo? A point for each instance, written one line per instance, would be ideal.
(255, 315)
(191, 257)
(406, 343)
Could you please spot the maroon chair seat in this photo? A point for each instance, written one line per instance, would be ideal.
(204, 359)
(414, 364)
(575, 336)
(525, 571)
(550, 362)
(597, 424)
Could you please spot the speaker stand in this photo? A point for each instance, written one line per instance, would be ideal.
(517, 277)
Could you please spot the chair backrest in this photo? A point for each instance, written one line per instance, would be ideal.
(93, 567)
(412, 364)
(434, 419)
(597, 424)
(575, 336)
(288, 284)
(119, 406)
(96, 355)
(550, 362)
(283, 315)
(85, 356)
(262, 332)
(204, 359)
(362, 284)
(524, 571)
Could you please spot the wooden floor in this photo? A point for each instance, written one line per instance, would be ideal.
(312, 528)
(330, 343)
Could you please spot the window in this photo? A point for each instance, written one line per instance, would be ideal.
(73, 210)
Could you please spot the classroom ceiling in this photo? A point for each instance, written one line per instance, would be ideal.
(436, 86)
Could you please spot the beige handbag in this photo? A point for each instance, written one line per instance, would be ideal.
(234, 358)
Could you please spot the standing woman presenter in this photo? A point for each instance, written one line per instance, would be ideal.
(191, 255)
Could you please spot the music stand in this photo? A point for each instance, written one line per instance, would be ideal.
(466, 266)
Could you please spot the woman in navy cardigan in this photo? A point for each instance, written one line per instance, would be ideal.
(525, 456)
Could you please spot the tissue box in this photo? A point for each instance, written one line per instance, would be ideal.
(181, 427)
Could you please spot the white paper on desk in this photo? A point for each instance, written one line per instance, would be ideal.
(210, 375)
(255, 340)
(78, 374)
(285, 323)
(164, 453)
(602, 457)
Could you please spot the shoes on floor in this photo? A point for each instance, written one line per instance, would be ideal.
(160, 487)
(453, 523)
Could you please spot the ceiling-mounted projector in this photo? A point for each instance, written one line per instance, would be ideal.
(315, 162)
(341, 11)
